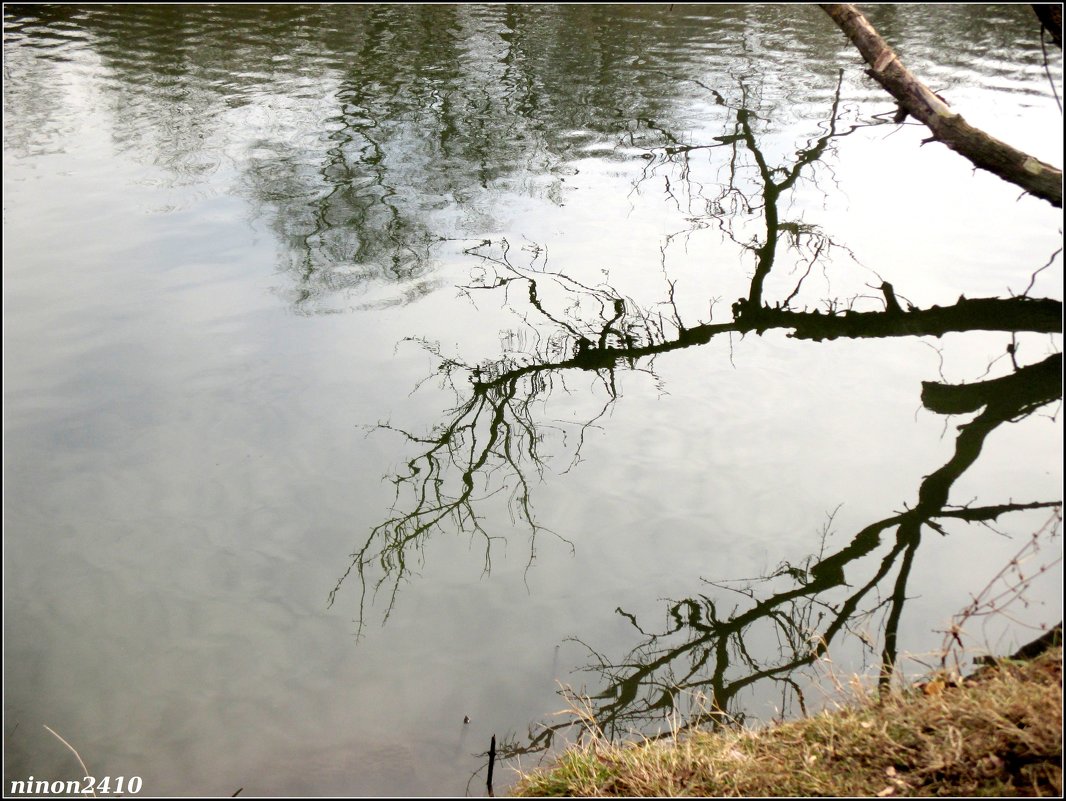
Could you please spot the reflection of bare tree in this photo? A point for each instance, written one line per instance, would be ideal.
(709, 649)
(491, 446)
(492, 430)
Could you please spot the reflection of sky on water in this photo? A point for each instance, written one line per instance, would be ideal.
(185, 469)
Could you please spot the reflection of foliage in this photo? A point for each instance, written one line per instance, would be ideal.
(362, 156)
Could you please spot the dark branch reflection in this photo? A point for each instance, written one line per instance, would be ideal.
(708, 650)
(491, 448)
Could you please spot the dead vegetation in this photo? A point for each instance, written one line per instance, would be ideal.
(997, 733)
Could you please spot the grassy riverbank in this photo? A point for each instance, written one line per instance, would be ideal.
(999, 733)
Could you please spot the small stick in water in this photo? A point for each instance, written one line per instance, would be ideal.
(492, 764)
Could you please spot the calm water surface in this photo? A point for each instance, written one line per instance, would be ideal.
(371, 367)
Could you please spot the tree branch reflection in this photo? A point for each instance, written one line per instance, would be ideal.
(491, 445)
(708, 653)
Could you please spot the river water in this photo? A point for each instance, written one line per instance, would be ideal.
(372, 368)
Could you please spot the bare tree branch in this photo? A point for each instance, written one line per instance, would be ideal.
(983, 151)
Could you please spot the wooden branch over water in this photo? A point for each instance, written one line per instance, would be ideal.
(983, 151)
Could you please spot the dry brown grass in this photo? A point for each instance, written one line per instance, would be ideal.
(996, 734)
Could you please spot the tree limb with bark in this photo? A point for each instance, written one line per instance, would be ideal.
(984, 151)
